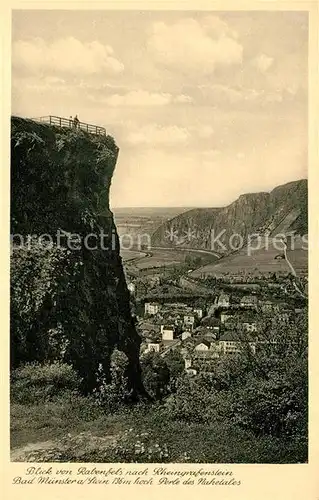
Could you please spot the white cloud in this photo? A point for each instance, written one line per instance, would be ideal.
(218, 94)
(93, 84)
(215, 27)
(274, 97)
(53, 80)
(190, 46)
(42, 84)
(210, 155)
(204, 131)
(156, 135)
(240, 155)
(253, 94)
(144, 98)
(263, 62)
(183, 99)
(68, 56)
(292, 90)
(139, 98)
(221, 93)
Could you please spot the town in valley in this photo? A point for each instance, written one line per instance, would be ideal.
(182, 303)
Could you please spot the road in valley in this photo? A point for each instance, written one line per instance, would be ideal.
(197, 250)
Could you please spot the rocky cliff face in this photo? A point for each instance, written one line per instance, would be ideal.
(69, 299)
(281, 211)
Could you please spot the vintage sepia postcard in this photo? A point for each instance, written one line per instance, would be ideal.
(161, 287)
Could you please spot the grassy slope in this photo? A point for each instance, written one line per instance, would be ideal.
(77, 430)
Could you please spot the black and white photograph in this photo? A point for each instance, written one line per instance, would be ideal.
(159, 239)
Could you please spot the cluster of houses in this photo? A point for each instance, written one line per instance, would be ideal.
(178, 314)
(208, 341)
(201, 334)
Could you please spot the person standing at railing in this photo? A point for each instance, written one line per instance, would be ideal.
(70, 121)
(76, 121)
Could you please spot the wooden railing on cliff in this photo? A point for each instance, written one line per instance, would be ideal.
(58, 121)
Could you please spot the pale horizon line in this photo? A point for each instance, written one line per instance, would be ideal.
(191, 207)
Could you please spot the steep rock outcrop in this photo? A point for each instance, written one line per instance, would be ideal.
(69, 298)
(282, 210)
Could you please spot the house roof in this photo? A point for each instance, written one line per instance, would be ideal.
(169, 342)
(229, 336)
(203, 341)
(267, 301)
(203, 330)
(168, 327)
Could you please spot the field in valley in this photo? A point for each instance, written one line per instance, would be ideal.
(161, 258)
(128, 255)
(132, 223)
(259, 261)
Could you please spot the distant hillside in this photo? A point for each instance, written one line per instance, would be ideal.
(283, 210)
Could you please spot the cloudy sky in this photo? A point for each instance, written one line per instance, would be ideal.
(203, 105)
